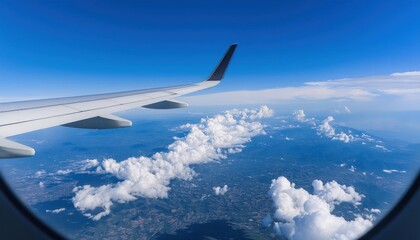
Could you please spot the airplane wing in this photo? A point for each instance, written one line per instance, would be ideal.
(91, 111)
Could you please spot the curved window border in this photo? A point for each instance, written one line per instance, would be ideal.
(45, 230)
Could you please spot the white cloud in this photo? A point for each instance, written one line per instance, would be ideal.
(40, 173)
(382, 148)
(404, 91)
(344, 109)
(334, 193)
(373, 210)
(378, 85)
(329, 131)
(299, 115)
(287, 126)
(413, 73)
(263, 112)
(88, 164)
(211, 139)
(358, 89)
(59, 210)
(347, 110)
(37, 141)
(79, 167)
(367, 138)
(301, 215)
(393, 171)
(277, 95)
(326, 129)
(64, 172)
(220, 190)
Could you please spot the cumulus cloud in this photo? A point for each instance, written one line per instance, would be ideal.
(59, 210)
(301, 215)
(300, 116)
(211, 139)
(263, 112)
(329, 131)
(373, 210)
(88, 164)
(64, 172)
(367, 137)
(40, 173)
(324, 128)
(220, 190)
(334, 193)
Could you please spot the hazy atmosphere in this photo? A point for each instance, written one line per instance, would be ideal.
(312, 133)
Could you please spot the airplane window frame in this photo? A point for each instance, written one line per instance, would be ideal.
(44, 230)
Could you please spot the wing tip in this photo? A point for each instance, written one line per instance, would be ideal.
(220, 70)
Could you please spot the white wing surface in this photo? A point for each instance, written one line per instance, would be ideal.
(92, 111)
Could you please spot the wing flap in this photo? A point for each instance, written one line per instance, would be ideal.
(87, 106)
(11, 117)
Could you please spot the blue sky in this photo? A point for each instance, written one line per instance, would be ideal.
(80, 47)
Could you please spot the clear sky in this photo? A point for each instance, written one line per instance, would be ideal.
(54, 48)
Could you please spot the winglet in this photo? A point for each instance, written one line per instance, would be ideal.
(218, 73)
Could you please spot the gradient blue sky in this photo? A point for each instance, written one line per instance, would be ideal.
(58, 48)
